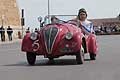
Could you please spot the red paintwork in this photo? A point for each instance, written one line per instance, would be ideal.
(92, 44)
(74, 44)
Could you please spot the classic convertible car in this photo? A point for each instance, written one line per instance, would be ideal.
(55, 40)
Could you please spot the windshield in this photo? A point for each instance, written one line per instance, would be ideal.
(58, 18)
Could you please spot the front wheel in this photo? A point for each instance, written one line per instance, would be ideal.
(31, 58)
(80, 57)
(51, 59)
(92, 56)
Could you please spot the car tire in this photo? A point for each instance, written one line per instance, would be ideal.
(51, 59)
(31, 58)
(84, 45)
(80, 57)
(92, 56)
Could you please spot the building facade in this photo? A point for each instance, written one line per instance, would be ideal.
(9, 13)
(10, 16)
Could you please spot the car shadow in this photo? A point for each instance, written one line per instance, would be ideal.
(57, 62)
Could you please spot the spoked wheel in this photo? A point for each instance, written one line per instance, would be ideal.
(31, 58)
(92, 56)
(80, 57)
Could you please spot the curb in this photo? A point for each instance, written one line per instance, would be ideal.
(14, 41)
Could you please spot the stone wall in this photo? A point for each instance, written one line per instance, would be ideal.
(9, 13)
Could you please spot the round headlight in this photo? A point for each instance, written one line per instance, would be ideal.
(69, 35)
(33, 36)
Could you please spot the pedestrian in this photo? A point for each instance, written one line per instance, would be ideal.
(2, 32)
(9, 32)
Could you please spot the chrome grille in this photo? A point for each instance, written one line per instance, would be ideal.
(50, 35)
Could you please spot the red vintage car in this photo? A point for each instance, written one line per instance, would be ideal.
(55, 40)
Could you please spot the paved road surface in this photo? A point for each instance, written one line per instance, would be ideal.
(13, 65)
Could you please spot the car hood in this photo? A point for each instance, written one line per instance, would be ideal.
(54, 33)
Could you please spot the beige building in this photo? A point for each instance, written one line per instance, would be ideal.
(9, 15)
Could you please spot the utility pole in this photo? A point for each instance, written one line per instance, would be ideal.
(48, 9)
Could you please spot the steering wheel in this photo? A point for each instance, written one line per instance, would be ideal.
(72, 22)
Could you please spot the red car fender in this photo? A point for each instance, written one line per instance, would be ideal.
(27, 43)
(92, 44)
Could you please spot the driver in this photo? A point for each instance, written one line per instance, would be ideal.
(84, 24)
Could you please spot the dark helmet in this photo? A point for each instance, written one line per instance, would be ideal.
(53, 17)
(82, 10)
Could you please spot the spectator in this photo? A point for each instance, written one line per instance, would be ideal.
(2, 32)
(9, 32)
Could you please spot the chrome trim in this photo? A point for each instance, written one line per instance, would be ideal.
(33, 36)
(49, 41)
(54, 39)
(48, 48)
(45, 42)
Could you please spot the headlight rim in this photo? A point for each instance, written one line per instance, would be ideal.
(69, 36)
(34, 36)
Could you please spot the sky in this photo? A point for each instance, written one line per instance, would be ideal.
(95, 8)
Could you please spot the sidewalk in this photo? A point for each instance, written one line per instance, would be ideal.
(13, 41)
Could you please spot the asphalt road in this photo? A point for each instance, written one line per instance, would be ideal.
(13, 64)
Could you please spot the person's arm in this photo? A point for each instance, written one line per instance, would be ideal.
(11, 30)
(92, 28)
(87, 29)
(74, 22)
